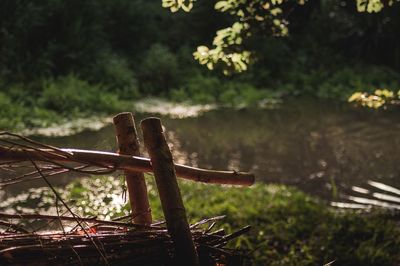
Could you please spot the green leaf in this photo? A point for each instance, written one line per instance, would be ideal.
(221, 5)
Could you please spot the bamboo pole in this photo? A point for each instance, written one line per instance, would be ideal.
(124, 162)
(168, 189)
(128, 144)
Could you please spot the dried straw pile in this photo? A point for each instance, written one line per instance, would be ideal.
(105, 244)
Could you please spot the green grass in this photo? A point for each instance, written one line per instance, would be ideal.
(51, 100)
(55, 101)
(288, 226)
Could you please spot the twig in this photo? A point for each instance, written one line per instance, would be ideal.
(204, 221)
(65, 235)
(73, 219)
(72, 213)
(14, 227)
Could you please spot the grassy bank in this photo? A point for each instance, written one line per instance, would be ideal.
(66, 98)
(289, 227)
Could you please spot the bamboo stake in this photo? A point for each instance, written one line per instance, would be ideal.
(168, 189)
(125, 162)
(137, 190)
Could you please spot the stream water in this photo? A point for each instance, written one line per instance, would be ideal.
(321, 147)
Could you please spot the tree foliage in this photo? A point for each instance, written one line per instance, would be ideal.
(252, 17)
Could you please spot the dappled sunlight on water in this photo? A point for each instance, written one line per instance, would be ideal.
(70, 127)
(174, 110)
(319, 146)
(150, 105)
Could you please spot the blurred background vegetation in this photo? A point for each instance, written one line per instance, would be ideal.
(71, 58)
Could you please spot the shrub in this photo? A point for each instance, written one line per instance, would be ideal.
(69, 94)
(158, 72)
(115, 74)
(210, 89)
(199, 89)
(343, 82)
(11, 114)
(237, 93)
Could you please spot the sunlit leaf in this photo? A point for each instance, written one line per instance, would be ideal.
(221, 5)
(276, 11)
(266, 5)
(187, 7)
(240, 13)
(362, 5)
(276, 2)
(355, 97)
(176, 5)
(385, 93)
(374, 6)
(277, 22)
(203, 50)
(259, 18)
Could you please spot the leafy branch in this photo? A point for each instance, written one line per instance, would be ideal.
(252, 17)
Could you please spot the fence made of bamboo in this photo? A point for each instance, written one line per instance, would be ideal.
(132, 240)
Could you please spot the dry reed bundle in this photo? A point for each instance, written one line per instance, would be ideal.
(110, 243)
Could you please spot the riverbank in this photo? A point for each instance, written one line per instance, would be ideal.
(63, 126)
(75, 102)
(288, 226)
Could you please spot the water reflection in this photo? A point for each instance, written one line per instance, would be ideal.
(318, 146)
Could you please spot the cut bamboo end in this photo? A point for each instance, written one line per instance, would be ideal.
(126, 134)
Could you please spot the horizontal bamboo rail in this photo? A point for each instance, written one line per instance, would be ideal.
(124, 162)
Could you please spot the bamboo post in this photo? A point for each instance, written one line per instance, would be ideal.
(168, 189)
(137, 190)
